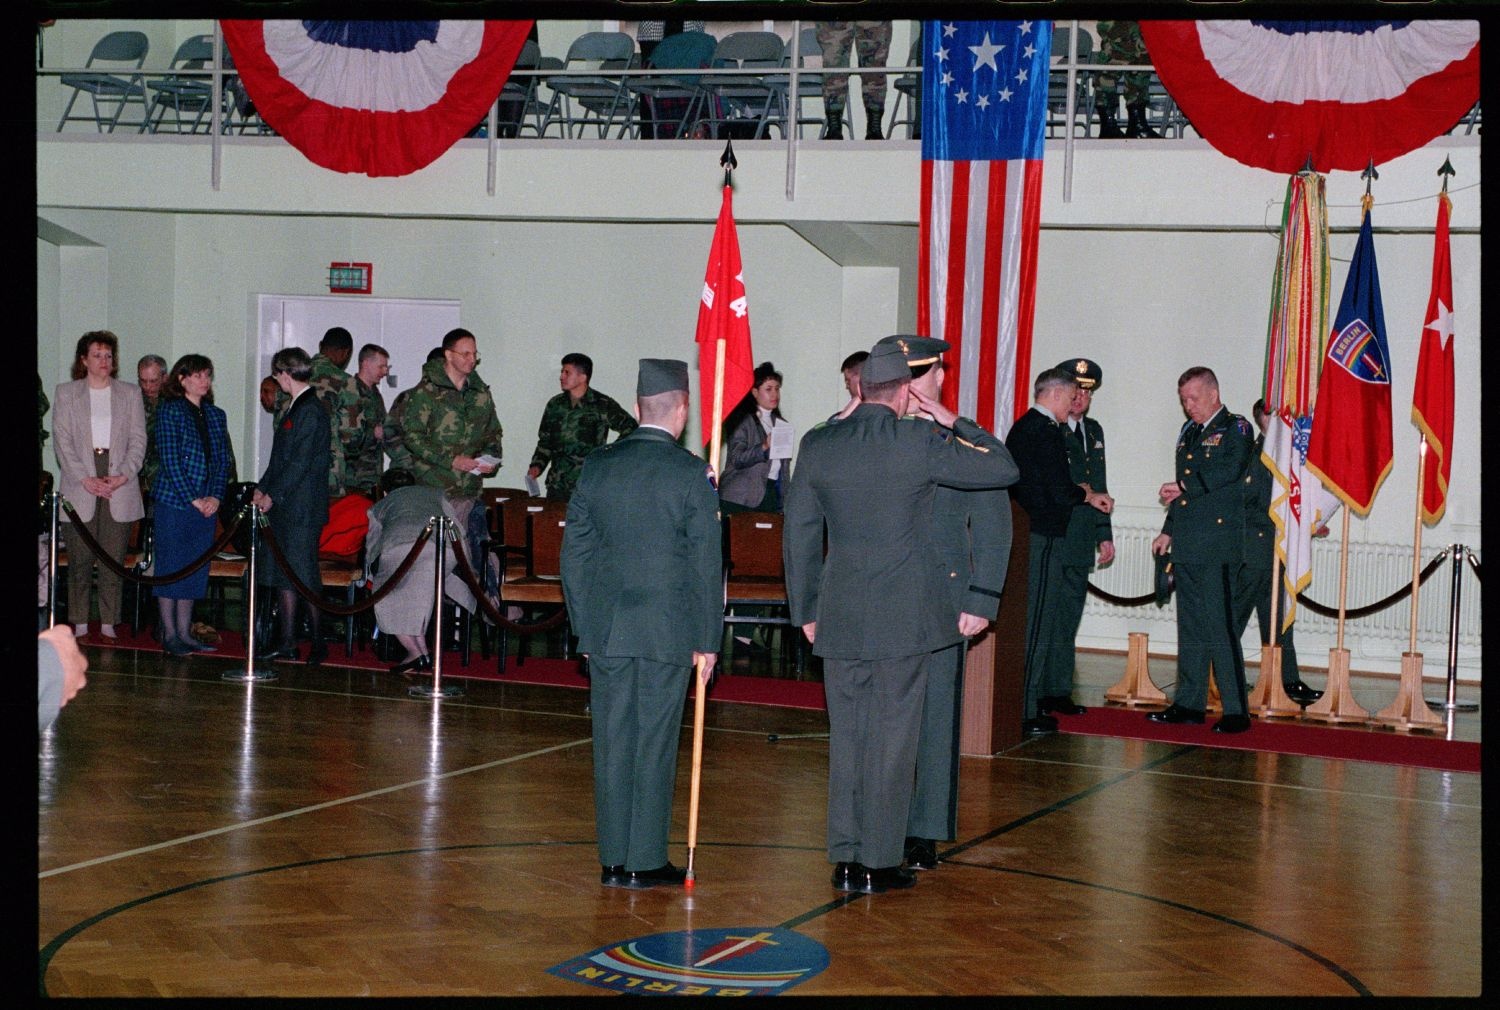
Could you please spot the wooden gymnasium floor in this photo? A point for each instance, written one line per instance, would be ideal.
(323, 834)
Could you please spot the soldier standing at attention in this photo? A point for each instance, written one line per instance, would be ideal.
(1049, 494)
(1204, 531)
(877, 604)
(873, 40)
(1121, 42)
(575, 422)
(363, 465)
(1089, 534)
(642, 574)
(151, 373)
(971, 530)
(447, 422)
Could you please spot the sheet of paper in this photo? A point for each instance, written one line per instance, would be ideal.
(485, 463)
(783, 441)
(532, 487)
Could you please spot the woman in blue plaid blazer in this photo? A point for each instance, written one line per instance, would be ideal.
(192, 442)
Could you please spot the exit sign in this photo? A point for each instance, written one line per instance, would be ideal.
(349, 278)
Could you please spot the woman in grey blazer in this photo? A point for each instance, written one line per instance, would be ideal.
(752, 481)
(99, 439)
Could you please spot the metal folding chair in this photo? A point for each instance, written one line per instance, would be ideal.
(754, 98)
(105, 90)
(181, 93)
(602, 99)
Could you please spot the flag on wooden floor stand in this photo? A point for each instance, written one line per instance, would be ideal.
(723, 312)
(1432, 396)
(1350, 446)
(1294, 352)
(984, 113)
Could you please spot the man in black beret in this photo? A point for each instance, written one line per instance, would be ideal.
(877, 604)
(642, 575)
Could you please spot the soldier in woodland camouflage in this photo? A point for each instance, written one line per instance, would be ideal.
(363, 464)
(1121, 42)
(575, 422)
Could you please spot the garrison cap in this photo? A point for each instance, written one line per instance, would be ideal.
(886, 363)
(1088, 373)
(661, 375)
(919, 351)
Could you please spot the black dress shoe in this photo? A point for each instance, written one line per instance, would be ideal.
(317, 654)
(281, 652)
(616, 876)
(892, 878)
(921, 853)
(855, 877)
(1302, 694)
(1040, 726)
(1061, 704)
(664, 874)
(421, 664)
(1175, 714)
(1232, 724)
(176, 648)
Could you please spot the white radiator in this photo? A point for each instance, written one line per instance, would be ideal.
(1375, 571)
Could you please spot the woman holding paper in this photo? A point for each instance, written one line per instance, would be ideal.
(758, 448)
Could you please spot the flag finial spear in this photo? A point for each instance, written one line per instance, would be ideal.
(1446, 171)
(1307, 166)
(728, 160)
(1369, 174)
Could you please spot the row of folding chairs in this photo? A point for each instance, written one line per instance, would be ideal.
(180, 100)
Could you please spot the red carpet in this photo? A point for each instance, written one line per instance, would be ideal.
(539, 671)
(1310, 739)
(1348, 743)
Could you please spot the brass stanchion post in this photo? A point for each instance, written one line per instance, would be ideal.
(251, 673)
(442, 531)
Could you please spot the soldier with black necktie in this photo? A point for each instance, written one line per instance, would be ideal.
(877, 604)
(1050, 495)
(642, 575)
(1089, 537)
(1204, 531)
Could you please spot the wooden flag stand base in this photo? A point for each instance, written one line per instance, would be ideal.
(1215, 703)
(1136, 687)
(1269, 699)
(1337, 703)
(1409, 711)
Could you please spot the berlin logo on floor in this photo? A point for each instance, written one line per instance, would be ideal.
(738, 961)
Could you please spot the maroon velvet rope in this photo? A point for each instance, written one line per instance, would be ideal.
(315, 597)
(145, 580)
(466, 573)
(1316, 607)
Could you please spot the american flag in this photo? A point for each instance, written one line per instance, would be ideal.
(984, 112)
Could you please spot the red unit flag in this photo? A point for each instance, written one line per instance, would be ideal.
(1432, 397)
(723, 314)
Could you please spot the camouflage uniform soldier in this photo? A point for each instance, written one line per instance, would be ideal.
(575, 423)
(1121, 42)
(873, 40)
(446, 423)
(151, 371)
(395, 444)
(363, 464)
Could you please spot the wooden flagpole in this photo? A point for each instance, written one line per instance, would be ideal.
(1337, 703)
(700, 693)
(1409, 710)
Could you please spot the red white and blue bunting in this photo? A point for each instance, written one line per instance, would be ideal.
(382, 98)
(1271, 94)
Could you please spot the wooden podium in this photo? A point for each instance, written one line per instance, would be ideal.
(995, 669)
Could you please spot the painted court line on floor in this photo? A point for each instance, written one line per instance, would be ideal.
(310, 809)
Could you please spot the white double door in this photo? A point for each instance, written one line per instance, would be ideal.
(406, 327)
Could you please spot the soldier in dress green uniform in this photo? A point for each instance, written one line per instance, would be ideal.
(878, 603)
(1089, 534)
(575, 422)
(1204, 531)
(1252, 587)
(367, 450)
(642, 574)
(971, 530)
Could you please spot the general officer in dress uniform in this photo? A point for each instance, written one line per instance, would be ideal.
(1050, 495)
(1089, 534)
(879, 602)
(642, 575)
(971, 530)
(1252, 587)
(1204, 531)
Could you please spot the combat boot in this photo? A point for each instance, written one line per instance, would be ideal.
(1109, 126)
(872, 123)
(1136, 125)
